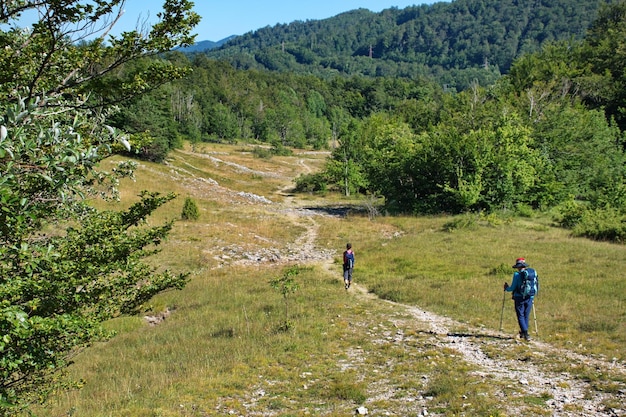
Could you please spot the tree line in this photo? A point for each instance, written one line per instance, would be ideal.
(217, 102)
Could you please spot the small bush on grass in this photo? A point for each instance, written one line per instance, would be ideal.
(570, 214)
(608, 224)
(502, 269)
(190, 210)
(286, 285)
(605, 224)
(463, 222)
(280, 150)
(524, 210)
(263, 153)
(311, 183)
(268, 153)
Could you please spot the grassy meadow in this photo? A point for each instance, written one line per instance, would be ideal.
(231, 344)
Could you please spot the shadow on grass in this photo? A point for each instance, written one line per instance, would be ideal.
(479, 336)
(468, 335)
(336, 211)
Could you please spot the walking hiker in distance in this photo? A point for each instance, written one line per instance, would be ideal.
(348, 265)
(524, 287)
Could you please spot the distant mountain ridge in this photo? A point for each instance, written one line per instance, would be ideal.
(205, 45)
(470, 39)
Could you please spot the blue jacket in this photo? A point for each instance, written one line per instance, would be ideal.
(516, 286)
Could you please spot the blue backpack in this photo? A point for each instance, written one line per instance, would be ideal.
(530, 283)
(348, 260)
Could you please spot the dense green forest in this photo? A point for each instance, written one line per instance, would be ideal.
(548, 134)
(455, 42)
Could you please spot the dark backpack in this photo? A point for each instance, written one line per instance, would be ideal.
(530, 283)
(348, 260)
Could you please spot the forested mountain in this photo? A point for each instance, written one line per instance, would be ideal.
(458, 41)
(205, 45)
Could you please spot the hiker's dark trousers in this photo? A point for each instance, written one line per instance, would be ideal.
(522, 309)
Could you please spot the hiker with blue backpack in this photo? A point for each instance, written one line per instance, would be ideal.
(348, 265)
(524, 287)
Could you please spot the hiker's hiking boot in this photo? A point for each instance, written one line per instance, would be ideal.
(524, 335)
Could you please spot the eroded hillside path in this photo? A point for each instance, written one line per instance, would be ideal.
(567, 395)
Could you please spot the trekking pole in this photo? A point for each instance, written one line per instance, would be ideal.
(535, 317)
(502, 312)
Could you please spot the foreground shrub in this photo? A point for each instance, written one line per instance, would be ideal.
(310, 183)
(602, 224)
(190, 210)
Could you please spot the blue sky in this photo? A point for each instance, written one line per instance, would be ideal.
(223, 18)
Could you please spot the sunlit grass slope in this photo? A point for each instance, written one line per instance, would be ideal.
(459, 271)
(223, 348)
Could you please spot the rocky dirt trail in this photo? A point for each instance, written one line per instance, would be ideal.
(564, 390)
(568, 396)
